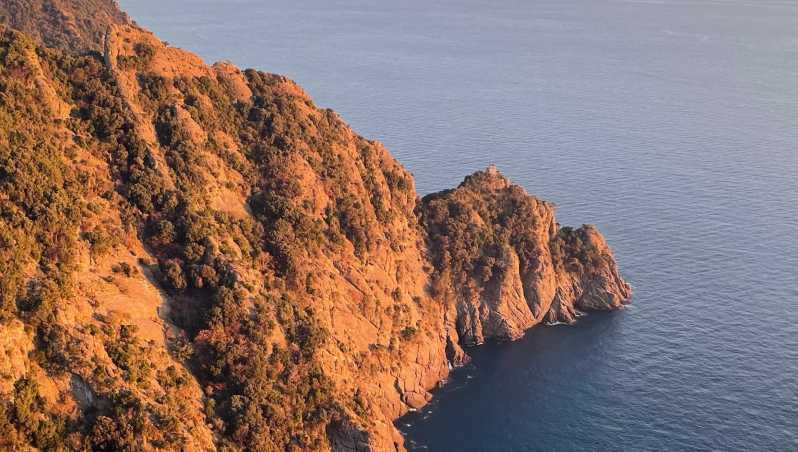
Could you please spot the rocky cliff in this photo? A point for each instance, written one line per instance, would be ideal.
(198, 257)
(503, 264)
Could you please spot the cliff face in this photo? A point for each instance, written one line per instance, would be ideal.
(197, 256)
(503, 264)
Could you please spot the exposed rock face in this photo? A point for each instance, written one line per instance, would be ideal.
(15, 345)
(197, 256)
(503, 264)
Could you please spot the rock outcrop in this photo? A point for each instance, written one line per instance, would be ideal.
(503, 264)
(198, 256)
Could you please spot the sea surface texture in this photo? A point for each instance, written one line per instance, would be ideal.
(672, 125)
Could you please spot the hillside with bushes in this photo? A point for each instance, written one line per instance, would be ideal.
(196, 257)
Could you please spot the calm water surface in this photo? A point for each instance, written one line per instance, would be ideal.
(672, 125)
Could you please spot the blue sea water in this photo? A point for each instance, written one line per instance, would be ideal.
(670, 124)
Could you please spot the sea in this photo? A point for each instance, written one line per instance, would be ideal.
(672, 125)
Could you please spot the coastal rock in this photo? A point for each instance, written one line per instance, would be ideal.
(505, 265)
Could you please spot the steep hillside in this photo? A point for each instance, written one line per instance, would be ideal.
(74, 25)
(503, 264)
(198, 257)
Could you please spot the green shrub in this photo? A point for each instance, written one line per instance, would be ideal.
(124, 350)
(571, 251)
(124, 268)
(173, 274)
(143, 55)
(408, 332)
(29, 416)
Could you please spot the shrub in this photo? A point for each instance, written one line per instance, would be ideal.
(124, 350)
(124, 268)
(28, 413)
(173, 275)
(571, 251)
(408, 332)
(143, 55)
